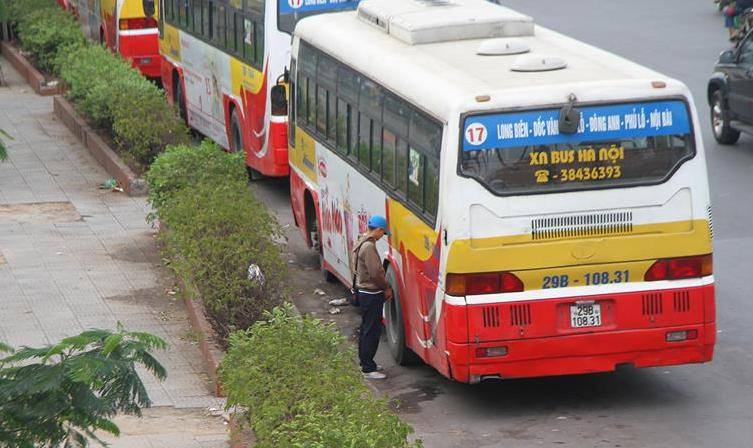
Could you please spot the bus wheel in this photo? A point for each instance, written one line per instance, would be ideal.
(179, 97)
(395, 327)
(236, 136)
(720, 123)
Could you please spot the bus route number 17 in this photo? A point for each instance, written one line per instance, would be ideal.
(476, 133)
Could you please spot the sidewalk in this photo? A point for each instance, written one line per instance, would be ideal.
(73, 257)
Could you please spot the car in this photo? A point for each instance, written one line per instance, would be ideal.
(730, 93)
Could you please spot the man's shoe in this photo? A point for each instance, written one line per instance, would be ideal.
(374, 376)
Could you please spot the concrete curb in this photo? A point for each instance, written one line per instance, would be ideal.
(210, 352)
(109, 159)
(33, 77)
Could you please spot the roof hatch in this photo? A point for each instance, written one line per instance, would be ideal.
(428, 21)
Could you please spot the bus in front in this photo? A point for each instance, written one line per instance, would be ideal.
(224, 67)
(126, 27)
(548, 201)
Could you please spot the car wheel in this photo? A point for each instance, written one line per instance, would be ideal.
(395, 327)
(720, 122)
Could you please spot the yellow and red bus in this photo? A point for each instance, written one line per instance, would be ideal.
(224, 66)
(127, 27)
(548, 201)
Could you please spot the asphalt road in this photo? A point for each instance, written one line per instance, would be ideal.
(707, 405)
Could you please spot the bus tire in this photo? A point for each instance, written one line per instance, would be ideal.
(179, 97)
(236, 134)
(720, 122)
(395, 327)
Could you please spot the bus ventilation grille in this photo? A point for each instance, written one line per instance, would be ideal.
(652, 304)
(491, 316)
(682, 301)
(577, 226)
(711, 222)
(520, 315)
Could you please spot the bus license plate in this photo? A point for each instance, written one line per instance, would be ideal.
(582, 316)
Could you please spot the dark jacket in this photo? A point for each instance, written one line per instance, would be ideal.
(370, 274)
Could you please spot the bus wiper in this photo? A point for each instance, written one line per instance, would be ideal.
(569, 116)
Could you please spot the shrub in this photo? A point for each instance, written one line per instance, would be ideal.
(45, 32)
(17, 10)
(181, 166)
(298, 380)
(143, 122)
(93, 75)
(116, 97)
(216, 230)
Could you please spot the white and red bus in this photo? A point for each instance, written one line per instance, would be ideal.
(127, 27)
(548, 201)
(224, 66)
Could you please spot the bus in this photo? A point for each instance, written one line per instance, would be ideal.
(548, 201)
(224, 65)
(126, 27)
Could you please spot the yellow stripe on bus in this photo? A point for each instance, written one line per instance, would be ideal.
(245, 76)
(303, 155)
(520, 252)
(170, 43)
(132, 9)
(410, 232)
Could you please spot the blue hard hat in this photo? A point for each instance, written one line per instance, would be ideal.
(379, 222)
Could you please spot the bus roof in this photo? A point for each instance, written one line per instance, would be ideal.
(448, 70)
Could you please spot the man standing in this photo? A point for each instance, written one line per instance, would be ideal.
(372, 290)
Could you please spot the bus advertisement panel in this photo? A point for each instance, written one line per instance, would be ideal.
(224, 66)
(518, 247)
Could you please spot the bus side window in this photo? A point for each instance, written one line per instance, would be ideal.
(331, 116)
(249, 46)
(259, 42)
(416, 178)
(402, 166)
(206, 21)
(197, 11)
(294, 103)
(376, 149)
(311, 106)
(321, 110)
(364, 141)
(431, 187)
(217, 14)
(342, 127)
(389, 142)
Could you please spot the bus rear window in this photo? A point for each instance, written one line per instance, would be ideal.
(615, 146)
(291, 11)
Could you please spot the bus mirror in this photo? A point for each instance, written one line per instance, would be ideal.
(148, 7)
(569, 117)
(279, 100)
(727, 57)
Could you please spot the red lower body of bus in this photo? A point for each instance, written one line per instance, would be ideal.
(141, 48)
(640, 329)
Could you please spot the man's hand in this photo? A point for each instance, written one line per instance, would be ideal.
(388, 295)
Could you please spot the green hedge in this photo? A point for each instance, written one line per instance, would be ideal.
(116, 97)
(217, 228)
(298, 380)
(183, 166)
(104, 87)
(47, 31)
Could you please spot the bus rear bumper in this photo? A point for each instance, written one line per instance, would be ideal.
(580, 354)
(142, 51)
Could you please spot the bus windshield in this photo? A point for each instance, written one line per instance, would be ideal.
(291, 11)
(615, 146)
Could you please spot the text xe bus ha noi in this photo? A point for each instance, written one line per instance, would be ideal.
(549, 215)
(224, 66)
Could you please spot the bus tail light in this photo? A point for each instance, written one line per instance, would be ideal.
(486, 283)
(679, 336)
(491, 352)
(680, 268)
(137, 24)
